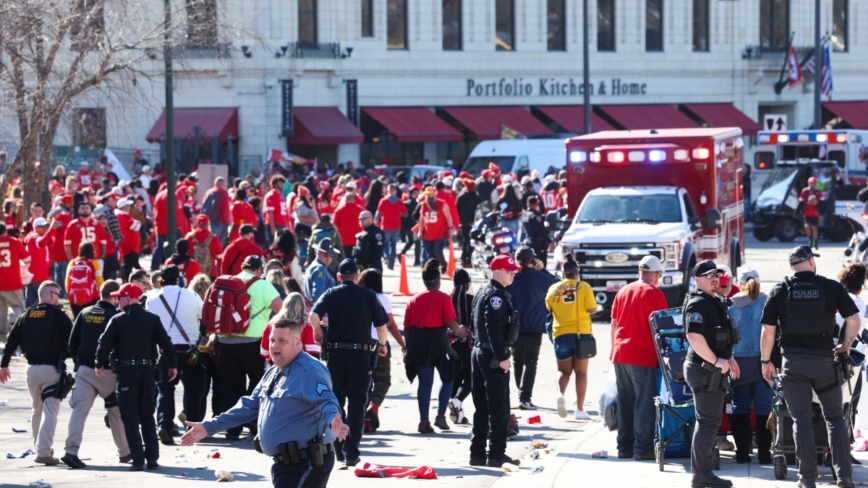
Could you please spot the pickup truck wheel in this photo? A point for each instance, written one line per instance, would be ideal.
(763, 233)
(786, 230)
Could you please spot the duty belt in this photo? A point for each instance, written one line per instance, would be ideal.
(806, 350)
(303, 454)
(136, 362)
(351, 346)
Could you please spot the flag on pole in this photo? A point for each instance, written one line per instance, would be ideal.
(795, 77)
(278, 156)
(507, 133)
(808, 64)
(826, 74)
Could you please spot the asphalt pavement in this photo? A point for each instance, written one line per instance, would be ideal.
(567, 460)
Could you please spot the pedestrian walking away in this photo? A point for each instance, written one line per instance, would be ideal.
(12, 252)
(303, 415)
(462, 387)
(42, 332)
(804, 305)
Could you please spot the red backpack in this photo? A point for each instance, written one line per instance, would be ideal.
(226, 310)
(82, 283)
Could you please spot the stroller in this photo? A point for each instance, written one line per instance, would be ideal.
(675, 412)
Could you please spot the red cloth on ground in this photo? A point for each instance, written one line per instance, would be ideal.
(368, 470)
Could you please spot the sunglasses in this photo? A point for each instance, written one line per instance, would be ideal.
(713, 275)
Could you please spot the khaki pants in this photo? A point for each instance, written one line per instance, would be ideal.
(87, 387)
(13, 300)
(40, 377)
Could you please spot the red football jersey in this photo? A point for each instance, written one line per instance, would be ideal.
(80, 231)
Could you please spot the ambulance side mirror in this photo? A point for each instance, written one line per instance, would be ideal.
(712, 219)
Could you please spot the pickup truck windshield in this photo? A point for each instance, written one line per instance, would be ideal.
(606, 209)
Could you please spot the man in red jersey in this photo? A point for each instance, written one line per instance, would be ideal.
(436, 226)
(131, 245)
(161, 225)
(85, 229)
(38, 243)
(346, 219)
(242, 214)
(216, 206)
(275, 208)
(12, 254)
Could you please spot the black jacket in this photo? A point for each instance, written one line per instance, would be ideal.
(86, 330)
(466, 204)
(368, 251)
(492, 312)
(135, 334)
(42, 331)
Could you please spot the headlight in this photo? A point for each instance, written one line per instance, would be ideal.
(671, 255)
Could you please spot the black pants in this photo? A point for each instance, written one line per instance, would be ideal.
(76, 309)
(709, 411)
(540, 248)
(466, 248)
(131, 262)
(111, 266)
(381, 377)
(303, 475)
(525, 354)
(491, 399)
(212, 384)
(351, 380)
(241, 369)
(413, 241)
(193, 378)
(136, 392)
(462, 387)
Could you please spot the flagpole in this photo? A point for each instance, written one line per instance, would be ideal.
(818, 68)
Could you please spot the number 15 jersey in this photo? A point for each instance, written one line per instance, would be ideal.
(80, 231)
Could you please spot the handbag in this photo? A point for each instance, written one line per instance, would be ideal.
(586, 346)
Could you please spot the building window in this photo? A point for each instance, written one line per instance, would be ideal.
(89, 128)
(700, 25)
(774, 24)
(504, 24)
(201, 23)
(839, 25)
(307, 21)
(557, 35)
(451, 25)
(397, 24)
(605, 25)
(367, 18)
(653, 25)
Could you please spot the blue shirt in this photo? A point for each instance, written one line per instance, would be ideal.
(528, 291)
(747, 320)
(295, 403)
(317, 280)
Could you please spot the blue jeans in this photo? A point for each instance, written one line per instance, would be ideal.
(636, 416)
(425, 372)
(158, 258)
(31, 297)
(753, 394)
(58, 274)
(390, 248)
(220, 231)
(434, 250)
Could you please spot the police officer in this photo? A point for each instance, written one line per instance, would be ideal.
(318, 277)
(492, 317)
(42, 331)
(368, 251)
(134, 336)
(303, 420)
(88, 327)
(352, 354)
(804, 305)
(711, 336)
(536, 235)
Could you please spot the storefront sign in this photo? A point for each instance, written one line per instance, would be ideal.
(353, 101)
(552, 87)
(287, 123)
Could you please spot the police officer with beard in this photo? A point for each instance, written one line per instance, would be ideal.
(804, 307)
(711, 335)
(368, 251)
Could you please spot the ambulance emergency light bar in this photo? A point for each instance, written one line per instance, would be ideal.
(795, 137)
(640, 153)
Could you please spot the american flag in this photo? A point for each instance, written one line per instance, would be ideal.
(826, 74)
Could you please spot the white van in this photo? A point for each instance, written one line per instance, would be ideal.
(514, 155)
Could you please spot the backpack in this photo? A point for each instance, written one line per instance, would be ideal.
(209, 208)
(202, 254)
(82, 283)
(226, 310)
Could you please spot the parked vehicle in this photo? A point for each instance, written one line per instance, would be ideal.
(857, 246)
(515, 155)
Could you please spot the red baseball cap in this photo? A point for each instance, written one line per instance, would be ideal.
(202, 219)
(131, 290)
(486, 173)
(503, 261)
(67, 199)
(812, 180)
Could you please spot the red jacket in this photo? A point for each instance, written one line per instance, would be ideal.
(235, 254)
(223, 213)
(161, 215)
(130, 229)
(38, 247)
(346, 219)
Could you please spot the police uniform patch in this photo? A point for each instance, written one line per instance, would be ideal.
(695, 317)
(496, 302)
(320, 388)
(379, 236)
(281, 382)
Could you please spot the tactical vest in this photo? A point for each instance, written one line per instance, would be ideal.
(805, 311)
(717, 339)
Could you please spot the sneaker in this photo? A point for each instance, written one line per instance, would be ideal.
(498, 462)
(845, 482)
(125, 459)
(724, 444)
(454, 407)
(440, 423)
(562, 407)
(73, 461)
(462, 419)
(425, 428)
(806, 483)
(48, 461)
(582, 415)
(166, 437)
(232, 437)
(373, 416)
(527, 406)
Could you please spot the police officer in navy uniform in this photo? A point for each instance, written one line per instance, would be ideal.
(368, 251)
(352, 353)
(491, 315)
(134, 336)
(298, 414)
(804, 307)
(711, 336)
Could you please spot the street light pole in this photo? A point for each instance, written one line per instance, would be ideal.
(171, 203)
(586, 68)
(818, 68)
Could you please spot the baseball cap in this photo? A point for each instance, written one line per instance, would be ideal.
(748, 274)
(146, 168)
(469, 184)
(503, 262)
(705, 267)
(429, 190)
(131, 290)
(348, 267)
(252, 262)
(802, 253)
(506, 179)
(324, 185)
(246, 229)
(351, 185)
(651, 263)
(118, 191)
(40, 222)
(67, 199)
(124, 202)
(812, 180)
(486, 173)
(170, 273)
(727, 274)
(201, 219)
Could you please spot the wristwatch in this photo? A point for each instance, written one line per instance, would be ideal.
(381, 344)
(765, 362)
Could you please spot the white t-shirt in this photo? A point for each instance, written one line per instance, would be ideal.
(384, 301)
(860, 304)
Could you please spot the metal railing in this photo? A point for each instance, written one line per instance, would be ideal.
(320, 50)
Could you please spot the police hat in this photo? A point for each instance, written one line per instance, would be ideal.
(705, 267)
(802, 253)
(348, 267)
(325, 246)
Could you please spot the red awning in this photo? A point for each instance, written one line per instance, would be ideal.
(487, 122)
(323, 126)
(639, 117)
(414, 124)
(724, 115)
(219, 122)
(855, 114)
(572, 118)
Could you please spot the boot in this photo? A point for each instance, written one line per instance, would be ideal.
(741, 435)
(763, 440)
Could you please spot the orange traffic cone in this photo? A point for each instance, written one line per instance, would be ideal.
(450, 266)
(404, 285)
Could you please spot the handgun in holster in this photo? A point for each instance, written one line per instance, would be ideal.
(843, 368)
(714, 379)
(316, 450)
(289, 453)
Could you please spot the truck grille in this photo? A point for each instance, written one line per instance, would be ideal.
(616, 257)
